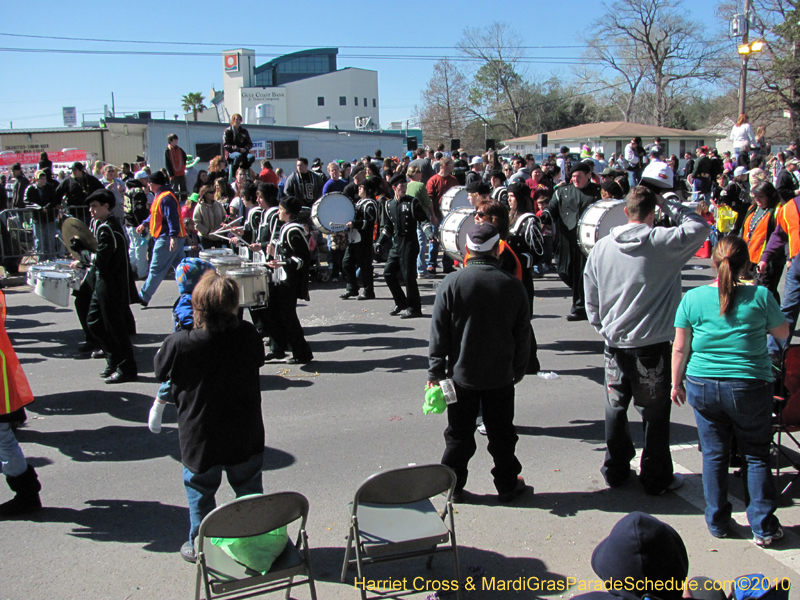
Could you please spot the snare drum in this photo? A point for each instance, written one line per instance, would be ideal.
(453, 232)
(207, 255)
(253, 284)
(332, 212)
(53, 286)
(455, 198)
(223, 264)
(598, 220)
(34, 270)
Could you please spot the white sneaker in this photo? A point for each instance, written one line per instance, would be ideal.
(154, 420)
(763, 542)
(482, 429)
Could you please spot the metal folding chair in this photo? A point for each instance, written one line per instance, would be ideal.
(222, 576)
(393, 518)
(786, 414)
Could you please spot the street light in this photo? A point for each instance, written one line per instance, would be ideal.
(745, 49)
(752, 47)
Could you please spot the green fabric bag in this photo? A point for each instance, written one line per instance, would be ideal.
(256, 552)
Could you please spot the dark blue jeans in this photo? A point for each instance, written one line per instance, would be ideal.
(245, 479)
(641, 375)
(740, 407)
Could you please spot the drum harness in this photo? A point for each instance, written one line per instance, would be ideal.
(530, 227)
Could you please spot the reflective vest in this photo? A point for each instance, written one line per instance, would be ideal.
(157, 216)
(757, 241)
(789, 221)
(15, 392)
(503, 248)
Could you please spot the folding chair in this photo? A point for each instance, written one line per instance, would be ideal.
(254, 515)
(393, 518)
(786, 413)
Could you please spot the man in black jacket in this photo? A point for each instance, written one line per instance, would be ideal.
(304, 184)
(21, 183)
(75, 190)
(481, 339)
(45, 226)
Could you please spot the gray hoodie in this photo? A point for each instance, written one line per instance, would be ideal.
(633, 278)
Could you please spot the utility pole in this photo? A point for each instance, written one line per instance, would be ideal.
(745, 58)
(113, 110)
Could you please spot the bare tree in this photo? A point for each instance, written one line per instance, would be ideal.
(499, 88)
(444, 115)
(653, 42)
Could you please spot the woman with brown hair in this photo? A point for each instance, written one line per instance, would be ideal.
(721, 349)
(213, 370)
(759, 223)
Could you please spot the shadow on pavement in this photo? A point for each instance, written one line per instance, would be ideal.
(395, 364)
(159, 527)
(593, 432)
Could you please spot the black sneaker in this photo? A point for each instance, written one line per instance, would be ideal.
(518, 490)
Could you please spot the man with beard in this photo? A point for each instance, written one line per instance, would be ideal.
(568, 204)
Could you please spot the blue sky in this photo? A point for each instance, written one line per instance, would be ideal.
(36, 85)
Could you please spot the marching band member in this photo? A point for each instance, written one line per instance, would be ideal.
(291, 264)
(400, 219)
(358, 254)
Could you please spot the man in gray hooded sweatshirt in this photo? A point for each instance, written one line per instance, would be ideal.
(633, 288)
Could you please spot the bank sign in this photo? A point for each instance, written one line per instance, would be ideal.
(274, 96)
(231, 62)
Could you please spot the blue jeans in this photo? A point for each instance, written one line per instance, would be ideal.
(163, 259)
(790, 307)
(45, 241)
(245, 479)
(137, 251)
(11, 457)
(740, 407)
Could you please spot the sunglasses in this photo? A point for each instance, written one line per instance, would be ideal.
(480, 213)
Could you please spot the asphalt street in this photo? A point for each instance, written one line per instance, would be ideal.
(116, 512)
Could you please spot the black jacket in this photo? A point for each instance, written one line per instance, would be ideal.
(215, 382)
(44, 197)
(136, 209)
(480, 327)
(18, 195)
(236, 141)
(75, 191)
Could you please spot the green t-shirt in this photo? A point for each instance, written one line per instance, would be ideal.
(732, 346)
(418, 191)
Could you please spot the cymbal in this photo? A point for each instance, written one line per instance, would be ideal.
(72, 227)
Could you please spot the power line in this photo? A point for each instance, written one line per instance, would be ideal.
(240, 44)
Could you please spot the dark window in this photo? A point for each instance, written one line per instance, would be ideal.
(374, 103)
(320, 101)
(355, 100)
(342, 100)
(286, 150)
(618, 148)
(365, 101)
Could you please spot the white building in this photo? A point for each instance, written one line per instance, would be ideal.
(302, 89)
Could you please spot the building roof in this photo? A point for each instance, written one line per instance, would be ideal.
(48, 130)
(287, 57)
(613, 129)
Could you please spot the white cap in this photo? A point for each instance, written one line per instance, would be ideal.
(658, 174)
(476, 160)
(740, 171)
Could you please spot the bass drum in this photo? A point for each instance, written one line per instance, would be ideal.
(453, 232)
(332, 212)
(455, 198)
(597, 222)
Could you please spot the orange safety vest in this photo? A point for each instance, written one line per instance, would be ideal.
(157, 217)
(758, 240)
(503, 248)
(16, 391)
(789, 220)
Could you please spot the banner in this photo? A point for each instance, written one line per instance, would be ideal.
(32, 158)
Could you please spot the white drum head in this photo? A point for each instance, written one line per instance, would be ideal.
(332, 212)
(215, 253)
(453, 232)
(597, 221)
(455, 198)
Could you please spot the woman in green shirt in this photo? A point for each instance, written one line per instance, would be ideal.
(721, 348)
